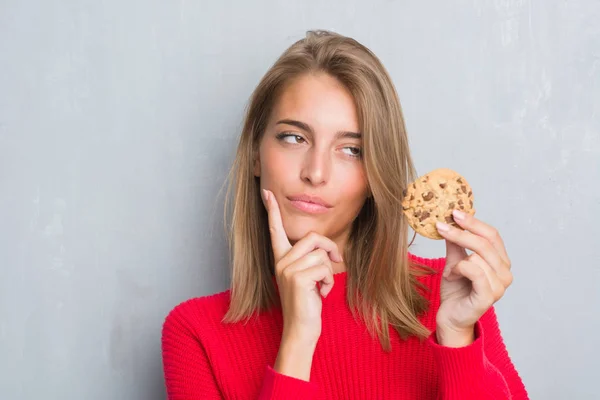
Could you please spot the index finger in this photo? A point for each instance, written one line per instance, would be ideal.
(480, 228)
(279, 241)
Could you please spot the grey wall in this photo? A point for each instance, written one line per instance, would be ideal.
(118, 120)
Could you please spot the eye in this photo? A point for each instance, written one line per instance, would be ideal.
(354, 151)
(295, 139)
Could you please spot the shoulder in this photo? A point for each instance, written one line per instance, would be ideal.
(197, 316)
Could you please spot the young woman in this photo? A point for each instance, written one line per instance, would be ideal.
(326, 301)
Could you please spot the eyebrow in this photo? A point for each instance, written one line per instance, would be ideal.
(305, 127)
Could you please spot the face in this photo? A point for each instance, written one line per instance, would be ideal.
(312, 147)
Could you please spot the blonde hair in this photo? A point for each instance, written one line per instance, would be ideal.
(382, 285)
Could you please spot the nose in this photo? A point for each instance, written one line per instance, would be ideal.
(317, 166)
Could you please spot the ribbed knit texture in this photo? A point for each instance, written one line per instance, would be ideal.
(206, 359)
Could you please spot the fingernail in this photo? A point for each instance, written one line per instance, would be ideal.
(442, 226)
(459, 215)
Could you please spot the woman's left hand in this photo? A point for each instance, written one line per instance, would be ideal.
(471, 284)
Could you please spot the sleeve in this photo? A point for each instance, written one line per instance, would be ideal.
(277, 386)
(189, 375)
(187, 370)
(482, 370)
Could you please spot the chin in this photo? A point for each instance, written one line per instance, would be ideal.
(297, 229)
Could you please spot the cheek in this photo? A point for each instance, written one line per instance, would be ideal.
(353, 185)
(276, 166)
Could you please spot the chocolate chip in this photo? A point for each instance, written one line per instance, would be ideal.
(424, 216)
(451, 205)
(449, 219)
(414, 185)
(460, 202)
(471, 202)
(442, 185)
(412, 197)
(470, 193)
(459, 180)
(464, 189)
(428, 196)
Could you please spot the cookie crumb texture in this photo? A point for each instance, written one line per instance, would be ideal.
(432, 198)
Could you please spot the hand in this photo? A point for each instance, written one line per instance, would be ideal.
(298, 271)
(471, 284)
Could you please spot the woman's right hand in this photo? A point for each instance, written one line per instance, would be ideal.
(298, 271)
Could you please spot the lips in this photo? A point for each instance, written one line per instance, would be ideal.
(309, 199)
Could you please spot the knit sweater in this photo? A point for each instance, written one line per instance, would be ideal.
(204, 358)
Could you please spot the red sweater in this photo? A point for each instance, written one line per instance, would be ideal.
(206, 359)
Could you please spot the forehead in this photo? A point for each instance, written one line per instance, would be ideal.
(319, 100)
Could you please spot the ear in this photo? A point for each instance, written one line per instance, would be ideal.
(257, 165)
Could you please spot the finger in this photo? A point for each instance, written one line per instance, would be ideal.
(311, 242)
(454, 252)
(316, 257)
(480, 228)
(279, 241)
(496, 285)
(473, 242)
(318, 274)
(501, 273)
(482, 296)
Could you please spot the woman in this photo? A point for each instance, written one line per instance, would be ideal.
(326, 302)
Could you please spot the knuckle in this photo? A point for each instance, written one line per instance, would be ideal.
(479, 273)
(278, 266)
(321, 252)
(500, 292)
(272, 230)
(495, 233)
(287, 273)
(318, 256)
(322, 255)
(488, 247)
(497, 290)
(509, 279)
(313, 235)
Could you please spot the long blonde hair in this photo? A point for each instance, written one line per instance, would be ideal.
(382, 283)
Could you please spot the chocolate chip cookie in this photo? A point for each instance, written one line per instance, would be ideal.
(432, 198)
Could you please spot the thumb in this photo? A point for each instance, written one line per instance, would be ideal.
(454, 253)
